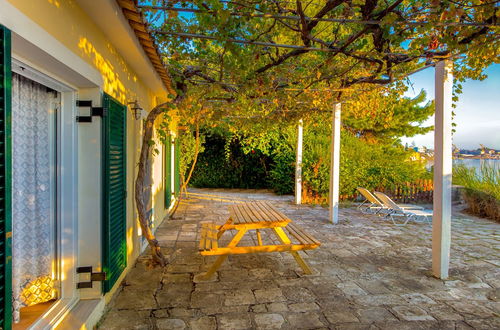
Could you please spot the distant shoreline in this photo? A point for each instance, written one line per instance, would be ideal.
(431, 158)
(477, 157)
(470, 162)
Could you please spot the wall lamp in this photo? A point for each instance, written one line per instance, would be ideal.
(136, 109)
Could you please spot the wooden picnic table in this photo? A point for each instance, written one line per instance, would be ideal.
(254, 216)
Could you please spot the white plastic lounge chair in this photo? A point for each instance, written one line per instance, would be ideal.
(395, 210)
(371, 203)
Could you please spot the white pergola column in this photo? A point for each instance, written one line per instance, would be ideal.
(298, 163)
(335, 165)
(172, 164)
(441, 220)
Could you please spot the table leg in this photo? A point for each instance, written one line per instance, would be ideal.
(223, 228)
(218, 262)
(285, 240)
(259, 237)
(305, 267)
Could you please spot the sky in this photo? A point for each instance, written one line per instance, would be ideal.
(477, 113)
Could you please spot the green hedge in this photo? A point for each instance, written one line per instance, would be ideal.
(269, 162)
(361, 164)
(236, 170)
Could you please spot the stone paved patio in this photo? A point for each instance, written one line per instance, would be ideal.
(370, 274)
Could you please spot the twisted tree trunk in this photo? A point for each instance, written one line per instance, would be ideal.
(141, 195)
(196, 152)
(185, 182)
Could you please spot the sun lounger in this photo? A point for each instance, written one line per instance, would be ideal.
(372, 203)
(395, 210)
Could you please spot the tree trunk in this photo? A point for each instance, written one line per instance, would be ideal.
(140, 193)
(196, 152)
(186, 181)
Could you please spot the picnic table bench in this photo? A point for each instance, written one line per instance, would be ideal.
(255, 216)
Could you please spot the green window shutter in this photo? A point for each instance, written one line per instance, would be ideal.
(5, 181)
(177, 176)
(114, 137)
(168, 171)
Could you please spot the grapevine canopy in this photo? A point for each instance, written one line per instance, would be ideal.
(268, 59)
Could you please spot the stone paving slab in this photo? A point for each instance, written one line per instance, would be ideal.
(369, 274)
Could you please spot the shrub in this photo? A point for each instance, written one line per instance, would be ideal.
(361, 164)
(481, 189)
(268, 161)
(486, 179)
(223, 164)
(282, 174)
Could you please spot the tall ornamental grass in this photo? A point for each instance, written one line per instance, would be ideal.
(481, 189)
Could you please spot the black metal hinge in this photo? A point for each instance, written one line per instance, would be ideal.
(92, 111)
(94, 277)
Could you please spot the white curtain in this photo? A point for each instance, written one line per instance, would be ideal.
(33, 227)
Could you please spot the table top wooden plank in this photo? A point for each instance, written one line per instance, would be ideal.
(247, 213)
(235, 215)
(232, 215)
(241, 218)
(274, 211)
(255, 212)
(264, 212)
(266, 209)
(256, 215)
(277, 214)
(257, 225)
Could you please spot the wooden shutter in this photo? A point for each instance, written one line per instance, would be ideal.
(177, 177)
(5, 181)
(114, 190)
(168, 171)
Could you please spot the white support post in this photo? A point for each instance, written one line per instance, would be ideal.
(172, 164)
(335, 165)
(441, 220)
(298, 164)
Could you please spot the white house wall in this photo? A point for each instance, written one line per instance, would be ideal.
(61, 40)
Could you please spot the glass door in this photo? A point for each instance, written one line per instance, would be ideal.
(35, 284)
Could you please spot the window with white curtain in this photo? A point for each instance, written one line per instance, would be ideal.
(34, 205)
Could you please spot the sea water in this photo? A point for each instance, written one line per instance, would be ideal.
(477, 163)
